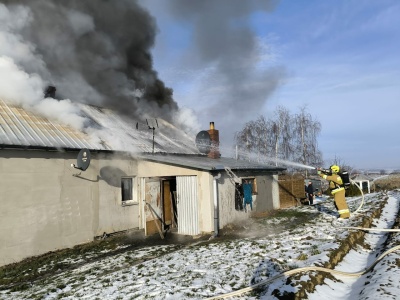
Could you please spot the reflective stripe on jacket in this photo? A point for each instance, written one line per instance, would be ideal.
(334, 191)
(335, 182)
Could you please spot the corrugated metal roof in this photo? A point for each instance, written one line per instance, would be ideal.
(106, 131)
(19, 127)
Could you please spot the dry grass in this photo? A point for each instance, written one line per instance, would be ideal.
(389, 182)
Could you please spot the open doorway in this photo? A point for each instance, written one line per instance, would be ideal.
(160, 210)
(169, 205)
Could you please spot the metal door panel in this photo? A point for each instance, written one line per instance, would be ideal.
(187, 205)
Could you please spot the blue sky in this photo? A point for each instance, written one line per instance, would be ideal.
(340, 58)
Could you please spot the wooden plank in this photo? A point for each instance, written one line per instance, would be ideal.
(156, 221)
(167, 203)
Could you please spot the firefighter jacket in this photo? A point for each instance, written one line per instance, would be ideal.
(335, 182)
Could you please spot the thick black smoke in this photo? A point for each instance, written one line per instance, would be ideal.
(94, 51)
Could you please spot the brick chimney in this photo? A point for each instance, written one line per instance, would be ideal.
(214, 137)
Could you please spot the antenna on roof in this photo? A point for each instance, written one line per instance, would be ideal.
(152, 128)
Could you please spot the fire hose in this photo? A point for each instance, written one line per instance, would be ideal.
(306, 269)
(362, 196)
(320, 269)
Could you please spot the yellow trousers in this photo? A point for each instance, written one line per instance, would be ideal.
(340, 203)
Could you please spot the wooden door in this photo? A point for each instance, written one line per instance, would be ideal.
(152, 197)
(167, 203)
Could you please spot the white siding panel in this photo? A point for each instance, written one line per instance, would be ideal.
(187, 203)
(142, 197)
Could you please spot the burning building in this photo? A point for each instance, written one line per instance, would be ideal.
(144, 173)
(174, 186)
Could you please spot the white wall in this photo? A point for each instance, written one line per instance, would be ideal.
(112, 215)
(204, 188)
(265, 200)
(43, 207)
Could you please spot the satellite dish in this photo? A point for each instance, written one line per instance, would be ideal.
(83, 160)
(203, 142)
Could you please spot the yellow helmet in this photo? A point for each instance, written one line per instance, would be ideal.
(334, 168)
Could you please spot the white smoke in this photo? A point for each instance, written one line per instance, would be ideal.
(187, 119)
(93, 52)
(17, 86)
(12, 21)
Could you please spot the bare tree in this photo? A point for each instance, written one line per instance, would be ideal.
(283, 137)
(267, 139)
(253, 139)
(306, 130)
(261, 129)
(285, 133)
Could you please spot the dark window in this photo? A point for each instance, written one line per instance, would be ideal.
(126, 188)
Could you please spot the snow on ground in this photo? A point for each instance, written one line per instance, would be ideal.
(360, 258)
(219, 266)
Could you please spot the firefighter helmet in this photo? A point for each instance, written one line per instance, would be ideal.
(335, 169)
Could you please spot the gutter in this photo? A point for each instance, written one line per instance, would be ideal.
(216, 204)
(52, 149)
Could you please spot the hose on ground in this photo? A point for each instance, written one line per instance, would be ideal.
(320, 269)
(371, 229)
(306, 269)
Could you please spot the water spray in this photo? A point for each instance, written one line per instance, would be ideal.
(262, 158)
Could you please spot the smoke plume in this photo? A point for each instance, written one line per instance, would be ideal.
(93, 51)
(238, 82)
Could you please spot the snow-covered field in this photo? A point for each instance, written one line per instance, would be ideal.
(211, 268)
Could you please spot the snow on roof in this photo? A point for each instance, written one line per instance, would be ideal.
(106, 130)
(122, 134)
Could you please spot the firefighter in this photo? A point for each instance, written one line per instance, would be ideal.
(337, 189)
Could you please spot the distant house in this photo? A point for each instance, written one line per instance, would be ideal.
(47, 204)
(363, 181)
